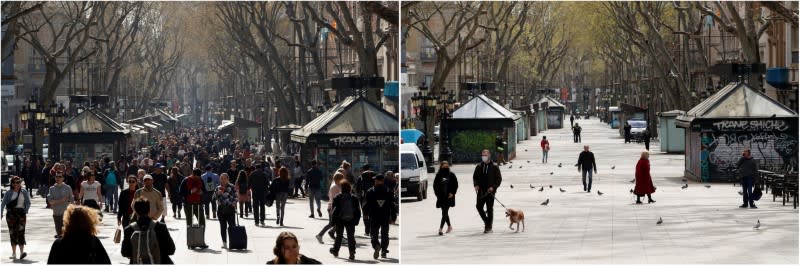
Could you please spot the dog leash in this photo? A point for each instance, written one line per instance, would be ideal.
(498, 201)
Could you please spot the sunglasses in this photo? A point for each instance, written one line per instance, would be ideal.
(131, 181)
(16, 182)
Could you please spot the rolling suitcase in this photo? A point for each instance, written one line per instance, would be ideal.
(195, 236)
(237, 236)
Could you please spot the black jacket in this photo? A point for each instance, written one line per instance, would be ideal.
(444, 184)
(313, 178)
(337, 203)
(487, 175)
(303, 260)
(379, 204)
(123, 207)
(279, 186)
(258, 182)
(78, 250)
(165, 243)
(364, 183)
(586, 161)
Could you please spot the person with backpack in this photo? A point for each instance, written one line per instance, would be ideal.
(445, 186)
(280, 187)
(314, 188)
(379, 206)
(147, 241)
(211, 181)
(192, 190)
(113, 183)
(226, 197)
(345, 216)
(545, 144)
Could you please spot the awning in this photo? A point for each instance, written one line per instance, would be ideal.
(736, 100)
(411, 135)
(481, 107)
(353, 116)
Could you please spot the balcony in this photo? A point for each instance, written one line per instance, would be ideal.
(427, 54)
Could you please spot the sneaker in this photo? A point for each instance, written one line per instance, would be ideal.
(335, 253)
(383, 253)
(319, 212)
(224, 245)
(743, 206)
(13, 257)
(753, 207)
(24, 254)
(311, 216)
(440, 232)
(352, 257)
(319, 239)
(376, 253)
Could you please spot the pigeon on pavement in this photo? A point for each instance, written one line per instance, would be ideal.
(758, 225)
(599, 193)
(631, 191)
(512, 186)
(613, 167)
(660, 221)
(632, 180)
(684, 180)
(562, 190)
(551, 186)
(541, 189)
(740, 193)
(551, 173)
(546, 202)
(559, 165)
(510, 166)
(520, 167)
(526, 149)
(529, 161)
(531, 186)
(707, 186)
(685, 186)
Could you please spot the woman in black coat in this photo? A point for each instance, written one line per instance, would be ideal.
(445, 186)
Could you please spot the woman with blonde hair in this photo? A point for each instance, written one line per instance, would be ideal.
(80, 244)
(287, 251)
(644, 182)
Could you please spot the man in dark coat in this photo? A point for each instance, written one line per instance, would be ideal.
(576, 133)
(646, 138)
(259, 183)
(585, 165)
(748, 170)
(627, 129)
(364, 184)
(486, 180)
(379, 206)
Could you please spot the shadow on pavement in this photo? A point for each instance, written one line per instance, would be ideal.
(390, 260)
(206, 250)
(24, 261)
(240, 251)
(429, 236)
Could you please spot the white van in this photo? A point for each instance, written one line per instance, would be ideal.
(413, 172)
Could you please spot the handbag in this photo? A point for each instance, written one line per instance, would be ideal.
(118, 235)
(756, 194)
(13, 203)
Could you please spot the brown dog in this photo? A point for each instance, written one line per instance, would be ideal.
(515, 216)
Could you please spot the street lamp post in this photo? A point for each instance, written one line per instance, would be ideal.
(445, 107)
(34, 115)
(425, 103)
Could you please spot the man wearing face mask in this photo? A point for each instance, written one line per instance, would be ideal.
(486, 180)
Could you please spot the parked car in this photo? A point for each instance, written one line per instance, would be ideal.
(637, 128)
(413, 172)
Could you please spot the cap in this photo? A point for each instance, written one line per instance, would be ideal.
(159, 165)
(147, 177)
(378, 177)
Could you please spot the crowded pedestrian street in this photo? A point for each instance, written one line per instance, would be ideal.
(701, 224)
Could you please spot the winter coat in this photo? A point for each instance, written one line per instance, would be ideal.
(644, 183)
(445, 183)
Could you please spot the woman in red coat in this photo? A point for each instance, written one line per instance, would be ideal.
(644, 183)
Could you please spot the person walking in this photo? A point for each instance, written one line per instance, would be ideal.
(445, 186)
(126, 197)
(153, 196)
(364, 183)
(486, 179)
(644, 182)
(627, 129)
(59, 197)
(345, 216)
(500, 146)
(80, 244)
(172, 187)
(314, 188)
(243, 192)
(333, 191)
(113, 183)
(585, 165)
(90, 194)
(297, 178)
(147, 241)
(379, 207)
(280, 186)
(226, 196)
(259, 185)
(571, 120)
(748, 169)
(211, 181)
(646, 136)
(160, 184)
(16, 203)
(545, 144)
(287, 251)
(576, 133)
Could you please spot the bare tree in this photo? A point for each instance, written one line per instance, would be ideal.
(116, 31)
(12, 11)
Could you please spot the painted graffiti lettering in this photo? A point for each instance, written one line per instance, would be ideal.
(771, 149)
(364, 140)
(751, 126)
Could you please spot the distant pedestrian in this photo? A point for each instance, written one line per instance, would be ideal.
(113, 183)
(333, 191)
(280, 186)
(571, 120)
(486, 178)
(90, 192)
(348, 173)
(576, 133)
(345, 216)
(126, 197)
(297, 180)
(147, 241)
(16, 203)
(243, 192)
(646, 136)
(314, 188)
(748, 169)
(174, 181)
(445, 186)
(627, 129)
(153, 196)
(380, 207)
(364, 183)
(259, 184)
(160, 184)
(226, 200)
(644, 182)
(586, 164)
(59, 197)
(500, 145)
(192, 190)
(545, 144)
(211, 181)
(80, 244)
(287, 251)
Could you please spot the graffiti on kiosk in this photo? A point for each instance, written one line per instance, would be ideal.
(364, 140)
(751, 126)
(771, 149)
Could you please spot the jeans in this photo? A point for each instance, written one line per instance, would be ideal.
(59, 222)
(224, 222)
(213, 204)
(382, 228)
(445, 217)
(112, 196)
(544, 156)
(584, 173)
(329, 225)
(298, 185)
(314, 195)
(259, 207)
(280, 205)
(576, 137)
(487, 216)
(747, 191)
(351, 238)
(194, 209)
(177, 205)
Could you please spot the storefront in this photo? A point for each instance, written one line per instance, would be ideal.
(738, 117)
(241, 129)
(91, 135)
(354, 130)
(475, 126)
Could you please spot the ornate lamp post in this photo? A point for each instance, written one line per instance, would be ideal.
(425, 103)
(445, 107)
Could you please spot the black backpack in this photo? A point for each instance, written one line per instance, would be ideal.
(346, 211)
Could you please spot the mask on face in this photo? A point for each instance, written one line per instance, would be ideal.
(485, 159)
(444, 170)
